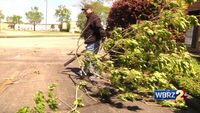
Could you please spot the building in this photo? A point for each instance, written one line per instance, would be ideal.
(193, 35)
(39, 27)
(73, 27)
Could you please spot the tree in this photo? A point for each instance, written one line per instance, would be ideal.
(103, 1)
(13, 20)
(101, 10)
(81, 20)
(98, 7)
(145, 57)
(1, 17)
(34, 16)
(63, 14)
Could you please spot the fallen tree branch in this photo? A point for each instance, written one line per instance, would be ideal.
(73, 58)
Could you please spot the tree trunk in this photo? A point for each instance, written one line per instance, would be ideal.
(34, 27)
(14, 26)
(60, 26)
(0, 25)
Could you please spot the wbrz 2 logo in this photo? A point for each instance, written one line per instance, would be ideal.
(170, 94)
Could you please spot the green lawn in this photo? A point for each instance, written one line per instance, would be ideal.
(7, 33)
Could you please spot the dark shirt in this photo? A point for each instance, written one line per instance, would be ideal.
(93, 30)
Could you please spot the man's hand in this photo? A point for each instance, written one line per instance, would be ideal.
(103, 39)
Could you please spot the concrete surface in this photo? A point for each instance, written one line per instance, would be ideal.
(28, 65)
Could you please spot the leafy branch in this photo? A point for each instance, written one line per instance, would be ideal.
(149, 55)
(41, 102)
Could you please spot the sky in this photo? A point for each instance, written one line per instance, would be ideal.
(20, 7)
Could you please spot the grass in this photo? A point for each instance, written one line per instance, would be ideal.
(14, 33)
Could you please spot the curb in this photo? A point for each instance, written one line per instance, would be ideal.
(38, 36)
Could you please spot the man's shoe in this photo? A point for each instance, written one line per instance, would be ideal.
(92, 78)
(80, 73)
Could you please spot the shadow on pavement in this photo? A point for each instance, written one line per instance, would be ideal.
(75, 70)
(108, 99)
(120, 105)
(189, 110)
(111, 97)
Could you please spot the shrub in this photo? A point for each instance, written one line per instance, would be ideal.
(148, 57)
(126, 12)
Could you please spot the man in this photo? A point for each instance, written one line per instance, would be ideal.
(93, 34)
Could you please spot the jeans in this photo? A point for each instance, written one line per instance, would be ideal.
(94, 48)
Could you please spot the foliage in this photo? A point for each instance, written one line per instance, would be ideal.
(24, 110)
(196, 65)
(101, 10)
(41, 102)
(1, 15)
(91, 58)
(63, 14)
(103, 1)
(79, 100)
(52, 100)
(126, 12)
(127, 96)
(146, 56)
(177, 104)
(191, 84)
(151, 57)
(98, 7)
(82, 85)
(52, 26)
(68, 27)
(34, 16)
(104, 92)
(81, 20)
(15, 19)
(39, 107)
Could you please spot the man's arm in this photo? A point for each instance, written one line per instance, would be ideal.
(100, 27)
